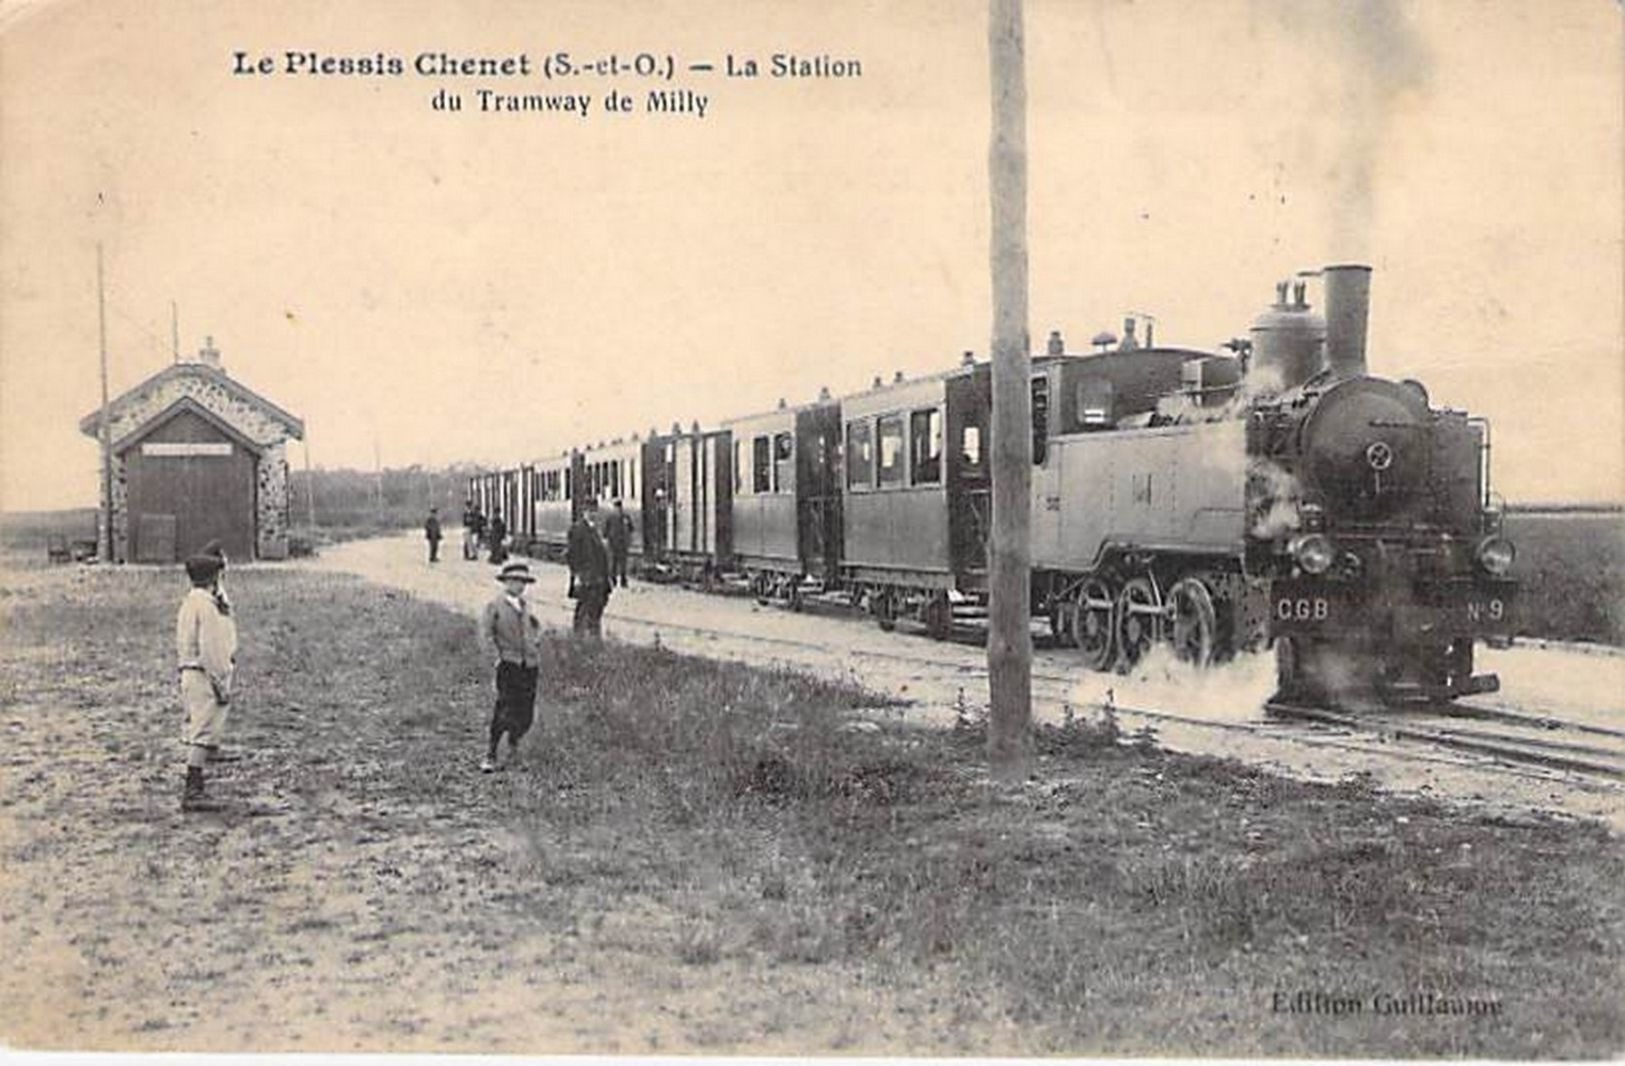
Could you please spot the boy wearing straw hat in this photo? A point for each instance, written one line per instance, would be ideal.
(509, 626)
(206, 653)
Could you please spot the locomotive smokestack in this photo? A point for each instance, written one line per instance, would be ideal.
(1348, 305)
(1056, 346)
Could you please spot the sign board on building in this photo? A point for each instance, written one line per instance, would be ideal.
(183, 448)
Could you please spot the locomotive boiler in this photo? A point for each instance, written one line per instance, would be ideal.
(1371, 520)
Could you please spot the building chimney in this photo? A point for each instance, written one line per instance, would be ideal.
(1348, 305)
(823, 392)
(1056, 345)
(968, 359)
(209, 355)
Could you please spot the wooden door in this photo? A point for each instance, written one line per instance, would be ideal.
(189, 483)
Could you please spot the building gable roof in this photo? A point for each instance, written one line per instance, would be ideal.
(183, 403)
(90, 425)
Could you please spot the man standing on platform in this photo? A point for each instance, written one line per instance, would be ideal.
(589, 572)
(619, 535)
(431, 533)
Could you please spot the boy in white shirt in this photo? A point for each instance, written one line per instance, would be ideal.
(206, 652)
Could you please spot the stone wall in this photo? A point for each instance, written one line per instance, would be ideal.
(121, 493)
(204, 386)
(272, 479)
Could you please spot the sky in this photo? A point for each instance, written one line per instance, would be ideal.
(427, 286)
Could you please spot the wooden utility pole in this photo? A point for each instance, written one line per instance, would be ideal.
(1009, 638)
(106, 431)
(310, 486)
(378, 470)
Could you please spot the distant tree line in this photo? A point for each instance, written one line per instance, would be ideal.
(396, 498)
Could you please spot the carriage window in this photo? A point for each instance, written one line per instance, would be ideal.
(739, 467)
(860, 460)
(783, 455)
(889, 430)
(970, 450)
(925, 446)
(761, 466)
(1040, 419)
(567, 485)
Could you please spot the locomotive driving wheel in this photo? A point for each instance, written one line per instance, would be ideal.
(1138, 617)
(1090, 615)
(1193, 623)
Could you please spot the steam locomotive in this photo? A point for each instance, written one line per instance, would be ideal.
(1272, 493)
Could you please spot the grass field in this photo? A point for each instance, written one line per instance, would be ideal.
(698, 857)
(1572, 566)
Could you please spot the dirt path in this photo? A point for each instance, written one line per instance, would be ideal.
(1551, 680)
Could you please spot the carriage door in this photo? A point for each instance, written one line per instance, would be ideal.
(970, 490)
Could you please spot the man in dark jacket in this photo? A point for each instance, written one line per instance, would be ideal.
(514, 633)
(431, 533)
(496, 532)
(473, 529)
(619, 535)
(589, 572)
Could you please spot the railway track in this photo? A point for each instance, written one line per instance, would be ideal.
(1515, 738)
(1490, 740)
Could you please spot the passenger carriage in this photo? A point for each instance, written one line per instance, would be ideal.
(915, 514)
(786, 507)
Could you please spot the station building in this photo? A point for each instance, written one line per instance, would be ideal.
(196, 457)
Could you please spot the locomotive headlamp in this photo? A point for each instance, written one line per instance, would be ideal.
(1313, 552)
(1496, 554)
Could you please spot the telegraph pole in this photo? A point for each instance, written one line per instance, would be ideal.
(106, 434)
(310, 486)
(1009, 639)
